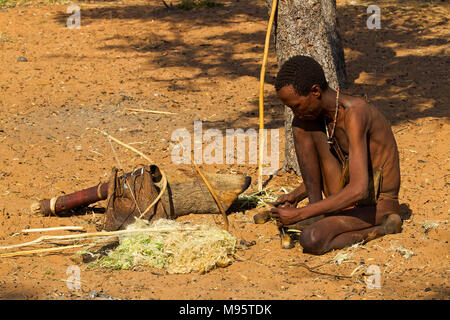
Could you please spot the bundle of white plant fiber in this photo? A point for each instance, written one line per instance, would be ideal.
(177, 248)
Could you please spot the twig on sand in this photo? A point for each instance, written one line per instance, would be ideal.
(70, 228)
(123, 144)
(168, 6)
(21, 253)
(401, 129)
(312, 269)
(149, 111)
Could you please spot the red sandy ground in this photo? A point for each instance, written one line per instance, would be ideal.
(204, 65)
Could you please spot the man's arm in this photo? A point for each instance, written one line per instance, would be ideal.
(356, 124)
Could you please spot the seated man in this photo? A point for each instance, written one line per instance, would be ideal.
(346, 149)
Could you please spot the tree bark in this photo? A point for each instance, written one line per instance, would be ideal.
(308, 27)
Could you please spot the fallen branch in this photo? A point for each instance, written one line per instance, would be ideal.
(318, 272)
(149, 111)
(312, 269)
(96, 235)
(21, 253)
(70, 228)
(171, 6)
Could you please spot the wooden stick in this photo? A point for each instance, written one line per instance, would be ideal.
(21, 253)
(124, 144)
(163, 175)
(214, 195)
(318, 272)
(71, 228)
(261, 95)
(98, 235)
(149, 111)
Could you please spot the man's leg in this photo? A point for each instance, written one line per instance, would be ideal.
(321, 171)
(351, 226)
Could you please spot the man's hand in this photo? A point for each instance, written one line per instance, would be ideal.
(285, 201)
(291, 199)
(286, 216)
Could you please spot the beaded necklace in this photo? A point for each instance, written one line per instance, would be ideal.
(330, 137)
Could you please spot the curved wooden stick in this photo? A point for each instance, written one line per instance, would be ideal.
(213, 194)
(163, 175)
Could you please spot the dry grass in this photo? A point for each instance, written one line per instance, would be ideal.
(176, 249)
(257, 199)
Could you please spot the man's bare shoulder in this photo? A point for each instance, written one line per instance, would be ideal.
(365, 117)
(356, 110)
(356, 104)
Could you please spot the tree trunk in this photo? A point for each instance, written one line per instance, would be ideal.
(308, 27)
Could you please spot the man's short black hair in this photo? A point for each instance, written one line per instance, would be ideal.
(302, 73)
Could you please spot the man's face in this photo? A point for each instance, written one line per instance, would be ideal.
(303, 107)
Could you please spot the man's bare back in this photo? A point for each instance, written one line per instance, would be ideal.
(330, 128)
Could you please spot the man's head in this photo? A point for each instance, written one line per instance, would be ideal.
(299, 84)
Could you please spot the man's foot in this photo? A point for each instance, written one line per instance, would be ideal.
(392, 224)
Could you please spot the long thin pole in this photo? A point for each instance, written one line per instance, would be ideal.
(214, 195)
(261, 95)
(101, 234)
